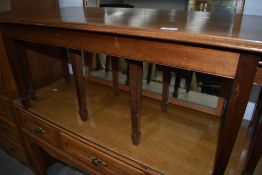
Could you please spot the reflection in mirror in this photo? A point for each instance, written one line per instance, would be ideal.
(177, 86)
(183, 85)
(213, 5)
(100, 66)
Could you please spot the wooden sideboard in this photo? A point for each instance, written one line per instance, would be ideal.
(105, 137)
(205, 44)
(10, 136)
(72, 149)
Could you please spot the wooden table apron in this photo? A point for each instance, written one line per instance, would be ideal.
(236, 65)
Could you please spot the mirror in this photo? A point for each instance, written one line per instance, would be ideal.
(185, 86)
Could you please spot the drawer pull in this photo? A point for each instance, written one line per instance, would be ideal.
(95, 161)
(38, 130)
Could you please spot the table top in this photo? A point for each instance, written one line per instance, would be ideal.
(227, 30)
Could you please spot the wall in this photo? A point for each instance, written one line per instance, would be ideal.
(253, 7)
(77, 3)
(70, 3)
(161, 4)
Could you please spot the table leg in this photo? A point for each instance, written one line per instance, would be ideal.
(34, 151)
(90, 60)
(135, 86)
(165, 88)
(127, 75)
(149, 73)
(21, 50)
(65, 60)
(77, 66)
(189, 76)
(177, 83)
(107, 66)
(16, 61)
(255, 148)
(115, 74)
(235, 108)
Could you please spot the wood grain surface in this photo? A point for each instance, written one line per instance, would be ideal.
(212, 29)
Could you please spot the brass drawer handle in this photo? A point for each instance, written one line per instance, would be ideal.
(95, 161)
(38, 130)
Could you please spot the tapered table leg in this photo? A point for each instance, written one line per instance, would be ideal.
(90, 61)
(21, 50)
(255, 148)
(149, 73)
(235, 108)
(35, 153)
(165, 88)
(108, 60)
(77, 67)
(115, 73)
(135, 86)
(127, 75)
(65, 60)
(189, 77)
(177, 83)
(14, 48)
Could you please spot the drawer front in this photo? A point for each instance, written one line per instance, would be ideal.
(38, 128)
(6, 111)
(10, 131)
(14, 150)
(97, 159)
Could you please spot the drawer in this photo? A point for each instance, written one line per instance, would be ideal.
(10, 131)
(14, 150)
(38, 128)
(99, 160)
(6, 110)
